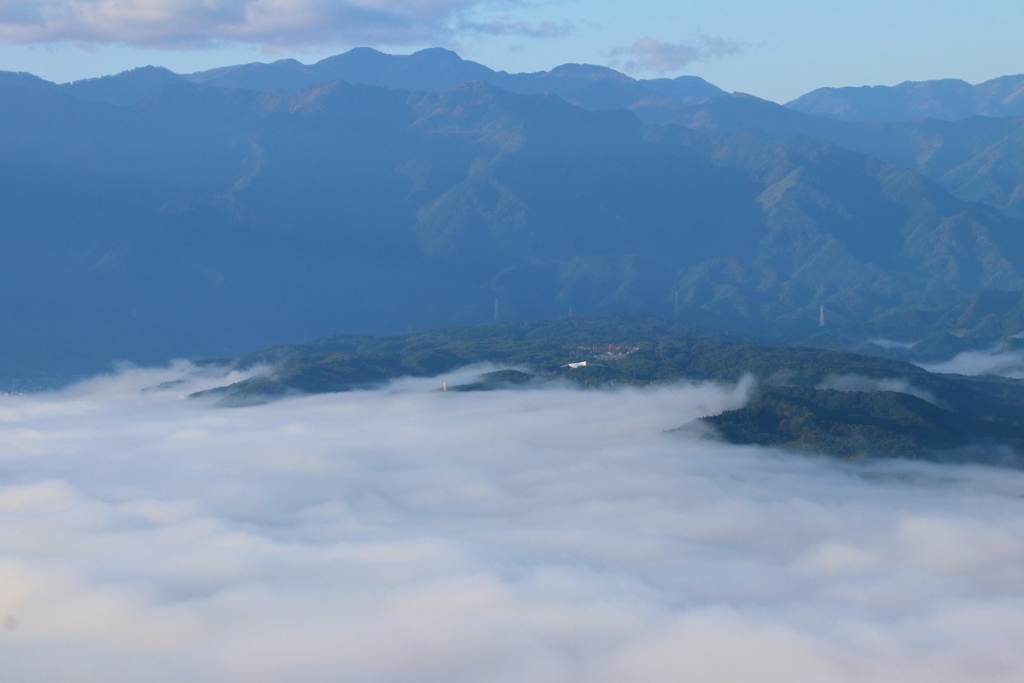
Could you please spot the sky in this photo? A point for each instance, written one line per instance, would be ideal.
(777, 50)
(555, 535)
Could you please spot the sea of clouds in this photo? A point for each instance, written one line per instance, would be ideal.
(543, 535)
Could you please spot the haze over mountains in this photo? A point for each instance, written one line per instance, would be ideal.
(149, 214)
(947, 99)
(655, 465)
(589, 86)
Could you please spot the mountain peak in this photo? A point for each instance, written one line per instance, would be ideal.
(24, 80)
(438, 53)
(125, 88)
(590, 71)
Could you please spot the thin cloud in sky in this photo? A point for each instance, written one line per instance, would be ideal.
(649, 54)
(507, 27)
(550, 535)
(201, 23)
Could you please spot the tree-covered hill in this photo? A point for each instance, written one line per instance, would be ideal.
(809, 399)
(858, 424)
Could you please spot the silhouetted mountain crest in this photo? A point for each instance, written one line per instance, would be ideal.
(21, 79)
(127, 87)
(426, 70)
(687, 90)
(591, 87)
(431, 70)
(945, 99)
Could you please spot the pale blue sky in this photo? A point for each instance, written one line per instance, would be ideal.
(773, 49)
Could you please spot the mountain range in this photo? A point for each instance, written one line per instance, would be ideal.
(150, 215)
(588, 86)
(436, 69)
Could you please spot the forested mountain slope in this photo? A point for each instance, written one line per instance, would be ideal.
(207, 220)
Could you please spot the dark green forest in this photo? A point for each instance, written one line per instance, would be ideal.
(795, 403)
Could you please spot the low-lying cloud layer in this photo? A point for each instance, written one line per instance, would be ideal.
(995, 361)
(861, 383)
(539, 535)
(192, 23)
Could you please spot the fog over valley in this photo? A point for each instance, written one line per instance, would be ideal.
(995, 361)
(552, 534)
(464, 341)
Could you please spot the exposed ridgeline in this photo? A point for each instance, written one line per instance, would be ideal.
(204, 221)
(433, 70)
(585, 85)
(946, 99)
(596, 87)
(805, 399)
(125, 88)
(938, 132)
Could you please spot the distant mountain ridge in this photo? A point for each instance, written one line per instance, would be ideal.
(430, 70)
(945, 99)
(436, 69)
(125, 88)
(588, 86)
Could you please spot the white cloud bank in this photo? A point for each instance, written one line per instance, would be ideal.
(994, 361)
(548, 535)
(198, 23)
